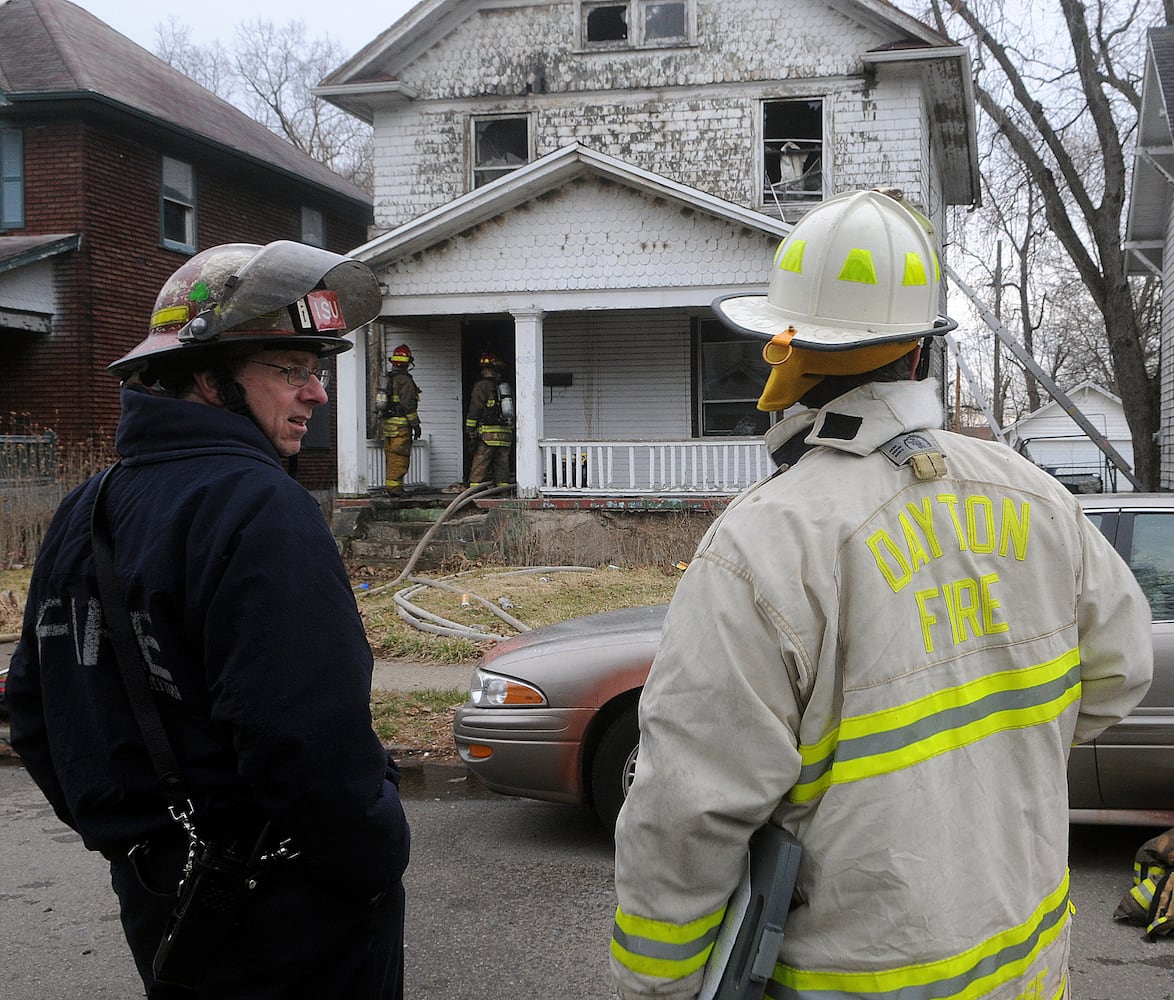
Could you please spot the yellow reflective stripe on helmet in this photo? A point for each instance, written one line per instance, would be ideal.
(658, 948)
(172, 314)
(978, 972)
(858, 266)
(792, 259)
(891, 739)
(914, 270)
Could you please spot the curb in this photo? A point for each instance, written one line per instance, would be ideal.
(439, 780)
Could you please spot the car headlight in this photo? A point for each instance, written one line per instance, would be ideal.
(495, 689)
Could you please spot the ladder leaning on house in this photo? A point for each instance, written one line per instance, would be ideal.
(1058, 394)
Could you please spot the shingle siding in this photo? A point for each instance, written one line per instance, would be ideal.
(590, 235)
(691, 114)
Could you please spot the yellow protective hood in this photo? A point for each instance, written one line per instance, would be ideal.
(795, 370)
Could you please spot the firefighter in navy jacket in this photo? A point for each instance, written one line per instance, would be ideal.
(256, 654)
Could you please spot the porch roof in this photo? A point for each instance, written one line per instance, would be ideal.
(680, 247)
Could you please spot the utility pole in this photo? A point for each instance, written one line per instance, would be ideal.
(998, 390)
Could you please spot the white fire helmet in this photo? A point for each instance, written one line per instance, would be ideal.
(858, 270)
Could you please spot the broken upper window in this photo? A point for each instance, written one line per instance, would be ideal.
(792, 154)
(634, 23)
(499, 146)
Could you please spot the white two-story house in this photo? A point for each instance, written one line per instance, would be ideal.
(570, 184)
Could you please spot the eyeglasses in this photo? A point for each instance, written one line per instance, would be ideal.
(298, 375)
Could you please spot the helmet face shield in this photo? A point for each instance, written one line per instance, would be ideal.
(283, 293)
(287, 275)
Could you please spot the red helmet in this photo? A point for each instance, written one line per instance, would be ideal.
(402, 355)
(280, 294)
(487, 360)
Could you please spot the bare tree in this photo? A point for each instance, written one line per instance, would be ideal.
(268, 73)
(277, 66)
(1066, 112)
(209, 65)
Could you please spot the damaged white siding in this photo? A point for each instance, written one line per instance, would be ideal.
(589, 236)
(691, 113)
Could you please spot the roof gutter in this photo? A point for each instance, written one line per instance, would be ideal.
(942, 53)
(42, 252)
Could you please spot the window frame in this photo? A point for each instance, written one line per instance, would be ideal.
(704, 329)
(765, 196)
(636, 23)
(169, 196)
(312, 226)
(12, 185)
(501, 171)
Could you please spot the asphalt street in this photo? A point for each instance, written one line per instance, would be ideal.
(508, 899)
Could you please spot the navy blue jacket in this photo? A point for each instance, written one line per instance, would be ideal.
(255, 650)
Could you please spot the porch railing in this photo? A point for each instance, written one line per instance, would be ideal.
(632, 468)
(419, 471)
(698, 465)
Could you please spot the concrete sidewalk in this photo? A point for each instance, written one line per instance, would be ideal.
(419, 776)
(397, 675)
(389, 675)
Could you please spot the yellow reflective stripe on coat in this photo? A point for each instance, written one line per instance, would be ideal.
(977, 972)
(496, 436)
(889, 740)
(658, 948)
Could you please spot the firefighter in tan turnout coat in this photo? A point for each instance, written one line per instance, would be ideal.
(401, 424)
(887, 648)
(489, 425)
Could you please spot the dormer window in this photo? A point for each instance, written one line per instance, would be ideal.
(635, 23)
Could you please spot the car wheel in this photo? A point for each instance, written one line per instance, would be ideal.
(615, 766)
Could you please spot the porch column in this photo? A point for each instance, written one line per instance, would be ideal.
(350, 404)
(528, 399)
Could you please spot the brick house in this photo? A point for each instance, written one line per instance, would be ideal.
(115, 169)
(571, 183)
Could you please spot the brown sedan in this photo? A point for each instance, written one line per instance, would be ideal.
(552, 713)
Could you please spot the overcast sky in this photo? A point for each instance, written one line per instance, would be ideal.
(351, 23)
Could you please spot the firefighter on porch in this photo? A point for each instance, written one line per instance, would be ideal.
(396, 404)
(489, 424)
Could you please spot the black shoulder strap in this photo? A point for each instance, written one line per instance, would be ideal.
(130, 657)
